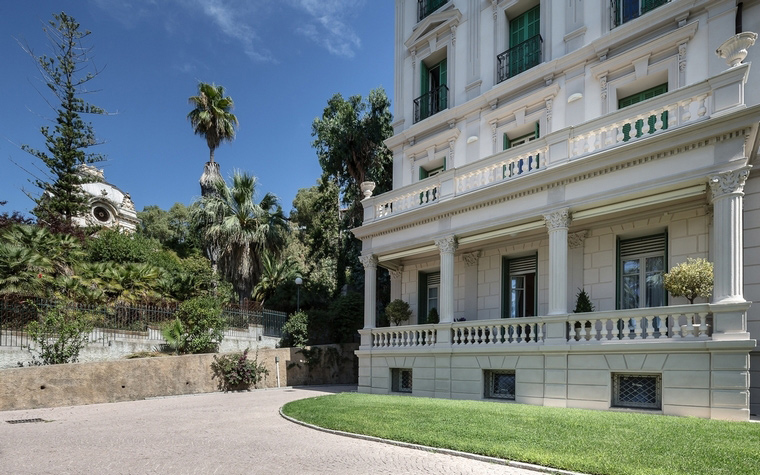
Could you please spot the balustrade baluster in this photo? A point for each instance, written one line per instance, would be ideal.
(637, 328)
(703, 324)
(587, 327)
(540, 332)
(598, 139)
(603, 333)
(686, 105)
(658, 120)
(702, 110)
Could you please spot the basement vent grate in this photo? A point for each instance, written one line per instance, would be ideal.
(25, 421)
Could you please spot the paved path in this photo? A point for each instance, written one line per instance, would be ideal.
(207, 434)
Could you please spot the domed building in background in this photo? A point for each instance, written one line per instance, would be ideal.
(108, 205)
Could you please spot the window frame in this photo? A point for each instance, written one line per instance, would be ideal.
(615, 396)
(506, 310)
(642, 256)
(397, 380)
(423, 294)
(488, 384)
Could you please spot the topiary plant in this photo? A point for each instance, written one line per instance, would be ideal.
(433, 316)
(398, 312)
(583, 302)
(690, 279)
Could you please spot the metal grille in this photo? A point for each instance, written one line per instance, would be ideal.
(24, 421)
(402, 380)
(500, 384)
(637, 391)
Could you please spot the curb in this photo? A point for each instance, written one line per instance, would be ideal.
(456, 453)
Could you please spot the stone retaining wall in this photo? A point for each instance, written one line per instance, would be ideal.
(128, 380)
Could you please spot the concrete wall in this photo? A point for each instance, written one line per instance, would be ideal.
(752, 278)
(128, 380)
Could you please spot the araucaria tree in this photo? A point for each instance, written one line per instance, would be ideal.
(242, 229)
(66, 74)
(212, 116)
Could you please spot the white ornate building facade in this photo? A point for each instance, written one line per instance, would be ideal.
(545, 147)
(108, 205)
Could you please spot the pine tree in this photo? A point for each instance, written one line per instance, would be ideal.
(66, 75)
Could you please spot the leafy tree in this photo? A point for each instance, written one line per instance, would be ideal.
(7, 220)
(242, 228)
(295, 331)
(690, 279)
(203, 324)
(398, 312)
(67, 76)
(173, 228)
(212, 116)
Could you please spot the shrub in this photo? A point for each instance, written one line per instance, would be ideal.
(583, 302)
(295, 331)
(433, 316)
(59, 335)
(203, 324)
(174, 334)
(236, 372)
(398, 312)
(690, 279)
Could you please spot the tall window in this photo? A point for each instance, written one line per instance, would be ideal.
(641, 266)
(626, 10)
(520, 287)
(429, 289)
(524, 45)
(434, 91)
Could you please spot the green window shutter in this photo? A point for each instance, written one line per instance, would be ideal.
(537, 131)
(506, 142)
(423, 173)
(422, 298)
(444, 163)
(424, 79)
(442, 73)
(525, 26)
(642, 96)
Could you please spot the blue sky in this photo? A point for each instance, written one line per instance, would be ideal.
(280, 61)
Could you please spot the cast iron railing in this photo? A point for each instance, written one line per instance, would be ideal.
(519, 58)
(626, 10)
(426, 7)
(431, 103)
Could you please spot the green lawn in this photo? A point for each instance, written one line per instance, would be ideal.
(595, 442)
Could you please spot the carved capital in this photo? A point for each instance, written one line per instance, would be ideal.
(396, 273)
(493, 131)
(575, 240)
(494, 7)
(471, 258)
(682, 57)
(558, 220)
(603, 84)
(447, 244)
(369, 262)
(453, 35)
(728, 182)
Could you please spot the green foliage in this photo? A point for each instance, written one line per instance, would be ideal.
(433, 316)
(398, 312)
(174, 334)
(111, 245)
(236, 372)
(577, 440)
(212, 116)
(583, 302)
(66, 76)
(295, 332)
(690, 279)
(59, 335)
(173, 228)
(274, 273)
(346, 318)
(203, 323)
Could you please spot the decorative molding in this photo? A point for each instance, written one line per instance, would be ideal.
(549, 101)
(559, 219)
(495, 8)
(494, 125)
(682, 56)
(471, 258)
(369, 261)
(576, 240)
(603, 84)
(397, 273)
(453, 35)
(452, 141)
(447, 244)
(728, 183)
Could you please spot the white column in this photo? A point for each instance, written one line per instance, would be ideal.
(447, 246)
(727, 192)
(370, 289)
(557, 224)
(396, 275)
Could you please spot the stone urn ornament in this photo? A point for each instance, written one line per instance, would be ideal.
(367, 187)
(734, 49)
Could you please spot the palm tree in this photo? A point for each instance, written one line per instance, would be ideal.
(273, 274)
(212, 117)
(242, 229)
(23, 271)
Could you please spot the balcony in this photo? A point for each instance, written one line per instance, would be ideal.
(623, 11)
(519, 58)
(657, 325)
(431, 103)
(426, 7)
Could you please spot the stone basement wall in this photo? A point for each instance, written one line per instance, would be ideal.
(129, 380)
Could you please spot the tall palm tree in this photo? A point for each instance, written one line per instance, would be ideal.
(212, 117)
(242, 228)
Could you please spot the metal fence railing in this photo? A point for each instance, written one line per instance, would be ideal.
(120, 321)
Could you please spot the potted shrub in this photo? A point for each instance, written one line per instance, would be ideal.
(398, 312)
(433, 316)
(690, 279)
(583, 304)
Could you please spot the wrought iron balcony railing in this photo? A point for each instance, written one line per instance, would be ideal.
(626, 10)
(431, 103)
(519, 58)
(426, 7)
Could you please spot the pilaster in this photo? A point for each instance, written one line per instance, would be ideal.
(557, 224)
(447, 246)
(370, 289)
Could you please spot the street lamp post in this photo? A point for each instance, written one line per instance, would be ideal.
(299, 281)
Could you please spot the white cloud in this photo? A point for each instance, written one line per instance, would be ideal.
(328, 24)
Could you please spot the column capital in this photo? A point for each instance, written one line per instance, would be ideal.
(559, 219)
(728, 183)
(575, 240)
(396, 273)
(471, 258)
(369, 261)
(447, 244)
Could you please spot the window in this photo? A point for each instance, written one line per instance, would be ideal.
(641, 265)
(521, 137)
(426, 7)
(401, 380)
(499, 385)
(626, 10)
(638, 391)
(432, 171)
(524, 45)
(520, 287)
(429, 289)
(642, 96)
(434, 95)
